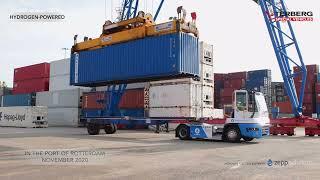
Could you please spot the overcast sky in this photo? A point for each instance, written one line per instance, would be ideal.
(236, 29)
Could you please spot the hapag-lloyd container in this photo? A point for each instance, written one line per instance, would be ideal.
(157, 57)
(24, 116)
(35, 71)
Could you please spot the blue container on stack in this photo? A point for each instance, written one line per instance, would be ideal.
(19, 100)
(260, 80)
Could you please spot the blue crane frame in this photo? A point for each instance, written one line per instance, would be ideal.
(130, 9)
(277, 35)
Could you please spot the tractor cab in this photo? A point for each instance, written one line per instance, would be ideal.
(250, 105)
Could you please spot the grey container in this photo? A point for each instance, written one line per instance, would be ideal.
(61, 99)
(60, 67)
(63, 117)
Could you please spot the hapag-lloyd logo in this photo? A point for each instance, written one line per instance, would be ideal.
(290, 16)
(12, 117)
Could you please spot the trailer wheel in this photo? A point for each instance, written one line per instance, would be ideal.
(110, 128)
(93, 129)
(247, 139)
(232, 134)
(183, 132)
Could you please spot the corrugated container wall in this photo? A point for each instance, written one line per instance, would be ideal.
(35, 71)
(18, 100)
(149, 58)
(131, 99)
(64, 117)
(29, 79)
(260, 80)
(60, 75)
(30, 86)
(64, 98)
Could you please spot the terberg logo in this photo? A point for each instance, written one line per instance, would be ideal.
(290, 16)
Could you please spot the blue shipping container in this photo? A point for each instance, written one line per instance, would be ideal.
(156, 57)
(18, 100)
(318, 77)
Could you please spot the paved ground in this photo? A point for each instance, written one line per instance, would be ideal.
(145, 155)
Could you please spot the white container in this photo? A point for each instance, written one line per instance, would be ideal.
(176, 112)
(206, 53)
(212, 113)
(24, 116)
(129, 86)
(207, 74)
(207, 96)
(63, 98)
(68, 117)
(175, 93)
(61, 82)
(60, 67)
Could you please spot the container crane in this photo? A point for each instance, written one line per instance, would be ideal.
(283, 37)
(130, 9)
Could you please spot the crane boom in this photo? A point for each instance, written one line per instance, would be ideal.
(283, 37)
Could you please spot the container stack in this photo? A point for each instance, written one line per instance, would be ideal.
(63, 106)
(63, 101)
(260, 80)
(60, 75)
(309, 101)
(225, 85)
(30, 79)
(218, 86)
(279, 99)
(317, 89)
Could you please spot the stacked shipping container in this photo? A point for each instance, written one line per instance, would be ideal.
(317, 92)
(309, 101)
(63, 106)
(226, 84)
(260, 80)
(29, 79)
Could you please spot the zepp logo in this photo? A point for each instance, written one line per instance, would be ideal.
(197, 130)
(269, 162)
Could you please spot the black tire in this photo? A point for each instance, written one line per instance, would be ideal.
(183, 132)
(110, 128)
(247, 139)
(93, 129)
(232, 134)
